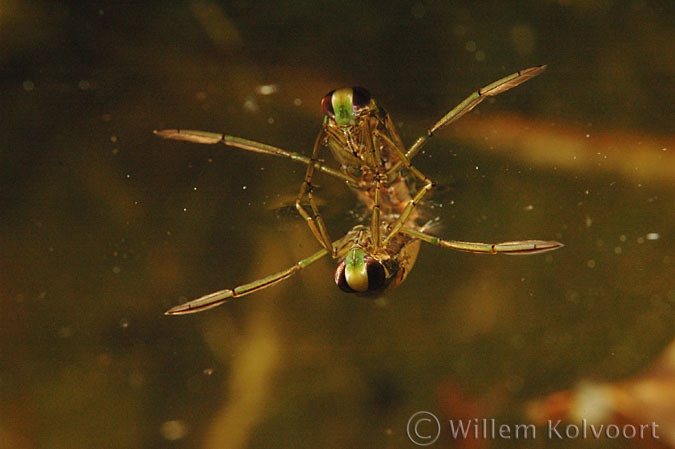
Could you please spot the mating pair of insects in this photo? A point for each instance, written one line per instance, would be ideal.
(378, 254)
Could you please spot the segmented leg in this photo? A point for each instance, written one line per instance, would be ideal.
(217, 298)
(206, 137)
(458, 111)
(315, 220)
(340, 248)
(375, 149)
(522, 247)
(473, 100)
(410, 207)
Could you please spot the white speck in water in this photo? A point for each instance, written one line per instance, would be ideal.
(267, 89)
(244, 187)
(173, 430)
(590, 263)
(588, 136)
(653, 236)
(618, 250)
(208, 371)
(528, 208)
(250, 105)
(270, 120)
(124, 323)
(589, 222)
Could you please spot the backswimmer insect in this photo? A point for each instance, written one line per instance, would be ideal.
(377, 255)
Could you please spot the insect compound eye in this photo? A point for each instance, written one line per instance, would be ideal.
(327, 104)
(376, 274)
(340, 279)
(359, 273)
(346, 104)
(360, 98)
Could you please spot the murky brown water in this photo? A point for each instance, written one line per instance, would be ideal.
(104, 226)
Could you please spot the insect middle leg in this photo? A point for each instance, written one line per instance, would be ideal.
(314, 220)
(520, 247)
(427, 185)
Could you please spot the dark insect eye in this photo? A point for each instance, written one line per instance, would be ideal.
(376, 274)
(327, 104)
(361, 97)
(351, 280)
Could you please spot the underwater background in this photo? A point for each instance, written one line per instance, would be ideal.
(104, 226)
